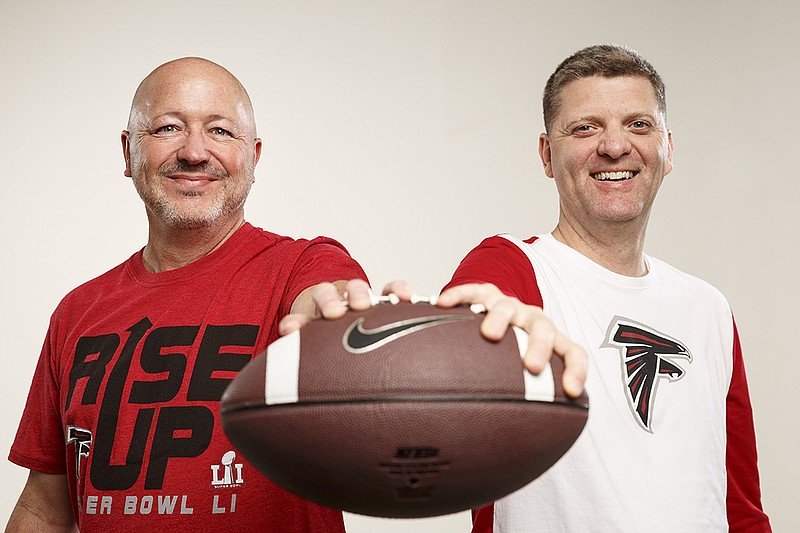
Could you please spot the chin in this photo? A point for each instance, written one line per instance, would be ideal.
(185, 217)
(193, 211)
(621, 212)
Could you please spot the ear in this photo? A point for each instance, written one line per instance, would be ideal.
(256, 154)
(670, 150)
(126, 151)
(544, 154)
(256, 151)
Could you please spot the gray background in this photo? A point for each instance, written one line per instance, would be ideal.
(408, 130)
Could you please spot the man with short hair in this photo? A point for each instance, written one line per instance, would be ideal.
(669, 445)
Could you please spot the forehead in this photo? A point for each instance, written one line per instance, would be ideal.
(597, 95)
(192, 93)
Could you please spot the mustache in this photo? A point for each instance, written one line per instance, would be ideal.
(182, 167)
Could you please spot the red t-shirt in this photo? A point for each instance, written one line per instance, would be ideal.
(125, 397)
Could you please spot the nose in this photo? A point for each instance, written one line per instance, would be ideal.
(193, 150)
(614, 143)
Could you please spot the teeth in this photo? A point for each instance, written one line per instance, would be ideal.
(613, 176)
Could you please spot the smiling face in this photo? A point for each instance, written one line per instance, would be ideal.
(608, 150)
(191, 145)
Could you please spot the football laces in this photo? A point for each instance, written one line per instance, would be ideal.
(393, 299)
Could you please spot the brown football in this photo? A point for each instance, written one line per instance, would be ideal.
(403, 411)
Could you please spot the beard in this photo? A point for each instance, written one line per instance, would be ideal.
(193, 209)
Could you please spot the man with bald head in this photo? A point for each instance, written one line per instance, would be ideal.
(121, 431)
(215, 155)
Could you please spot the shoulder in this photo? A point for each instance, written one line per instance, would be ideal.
(320, 259)
(99, 284)
(501, 260)
(503, 245)
(680, 280)
(264, 239)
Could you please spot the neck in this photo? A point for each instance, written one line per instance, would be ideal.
(617, 247)
(169, 248)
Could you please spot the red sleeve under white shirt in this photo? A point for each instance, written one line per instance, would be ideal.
(511, 265)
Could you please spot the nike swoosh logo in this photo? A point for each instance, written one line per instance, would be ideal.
(358, 340)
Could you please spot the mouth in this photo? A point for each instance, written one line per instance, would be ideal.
(621, 175)
(192, 180)
(185, 173)
(193, 177)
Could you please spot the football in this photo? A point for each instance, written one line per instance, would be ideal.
(404, 410)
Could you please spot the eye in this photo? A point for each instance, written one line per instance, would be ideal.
(640, 125)
(169, 128)
(583, 130)
(221, 131)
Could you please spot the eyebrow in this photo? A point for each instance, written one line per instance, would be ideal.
(627, 117)
(179, 115)
(212, 118)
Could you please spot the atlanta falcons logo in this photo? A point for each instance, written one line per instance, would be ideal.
(83, 443)
(646, 360)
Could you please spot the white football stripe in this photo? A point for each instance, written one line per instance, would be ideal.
(539, 388)
(283, 369)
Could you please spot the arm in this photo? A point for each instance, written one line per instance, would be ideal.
(331, 300)
(745, 513)
(325, 300)
(313, 293)
(44, 506)
(44, 503)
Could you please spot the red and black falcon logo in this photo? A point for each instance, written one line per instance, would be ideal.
(646, 360)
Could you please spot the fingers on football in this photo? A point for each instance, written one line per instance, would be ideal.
(542, 336)
(328, 300)
(544, 340)
(359, 296)
(575, 365)
(499, 315)
(470, 293)
(400, 288)
(292, 322)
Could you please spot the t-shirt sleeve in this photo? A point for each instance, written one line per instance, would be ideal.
(498, 261)
(502, 263)
(39, 443)
(745, 513)
(322, 260)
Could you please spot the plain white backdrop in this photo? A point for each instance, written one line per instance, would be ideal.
(408, 131)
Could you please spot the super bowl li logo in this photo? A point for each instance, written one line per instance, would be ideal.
(227, 474)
